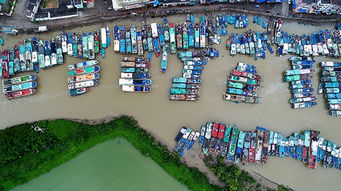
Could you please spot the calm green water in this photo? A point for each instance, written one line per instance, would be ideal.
(113, 165)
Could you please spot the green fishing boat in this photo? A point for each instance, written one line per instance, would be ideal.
(80, 71)
(96, 37)
(85, 45)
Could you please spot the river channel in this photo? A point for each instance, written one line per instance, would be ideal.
(163, 118)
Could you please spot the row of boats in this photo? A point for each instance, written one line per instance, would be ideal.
(31, 55)
(299, 78)
(256, 146)
(321, 43)
(19, 86)
(165, 37)
(242, 84)
(185, 140)
(187, 87)
(331, 86)
(135, 76)
(238, 20)
(260, 21)
(82, 76)
(249, 43)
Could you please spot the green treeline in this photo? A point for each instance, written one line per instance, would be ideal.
(32, 149)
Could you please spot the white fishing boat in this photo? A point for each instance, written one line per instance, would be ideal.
(104, 37)
(54, 59)
(202, 41)
(84, 84)
(47, 61)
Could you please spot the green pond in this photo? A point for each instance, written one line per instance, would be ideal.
(113, 165)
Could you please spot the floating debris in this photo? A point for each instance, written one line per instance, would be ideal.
(135, 75)
(331, 86)
(299, 78)
(242, 84)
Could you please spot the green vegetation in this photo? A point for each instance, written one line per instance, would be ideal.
(26, 152)
(234, 178)
(32, 149)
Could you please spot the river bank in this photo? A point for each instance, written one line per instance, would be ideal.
(44, 145)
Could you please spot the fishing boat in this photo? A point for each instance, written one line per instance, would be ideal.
(104, 37)
(116, 38)
(64, 42)
(20, 93)
(144, 38)
(22, 58)
(166, 29)
(35, 50)
(28, 55)
(82, 64)
(86, 70)
(157, 48)
(96, 43)
(232, 144)
(150, 39)
(83, 77)
(108, 36)
(172, 39)
(139, 42)
(83, 84)
(196, 36)
(164, 58)
(303, 105)
(135, 82)
(18, 80)
(17, 67)
(47, 54)
(122, 40)
(85, 45)
(185, 42)
(132, 88)
(133, 40)
(53, 53)
(11, 62)
(78, 91)
(74, 45)
(69, 44)
(135, 75)
(91, 46)
(60, 58)
(179, 36)
(18, 87)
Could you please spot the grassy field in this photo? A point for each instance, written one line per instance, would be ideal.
(26, 153)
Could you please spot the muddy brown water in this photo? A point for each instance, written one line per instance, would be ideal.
(163, 118)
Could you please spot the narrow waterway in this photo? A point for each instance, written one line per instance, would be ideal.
(113, 165)
(163, 118)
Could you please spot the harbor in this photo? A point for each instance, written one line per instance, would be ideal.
(108, 100)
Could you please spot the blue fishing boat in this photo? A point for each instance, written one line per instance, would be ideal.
(22, 51)
(128, 41)
(191, 36)
(164, 58)
(108, 36)
(122, 40)
(133, 39)
(156, 45)
(161, 36)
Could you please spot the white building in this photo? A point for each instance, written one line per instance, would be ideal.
(129, 4)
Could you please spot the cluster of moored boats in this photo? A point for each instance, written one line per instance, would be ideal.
(31, 55)
(82, 76)
(135, 76)
(260, 21)
(238, 20)
(185, 140)
(323, 42)
(187, 87)
(86, 45)
(19, 86)
(242, 84)
(331, 86)
(300, 77)
(256, 146)
(249, 43)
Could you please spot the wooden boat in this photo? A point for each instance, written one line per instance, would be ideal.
(83, 84)
(85, 45)
(83, 77)
(128, 41)
(64, 42)
(182, 97)
(164, 58)
(18, 87)
(91, 46)
(47, 54)
(82, 64)
(69, 44)
(133, 40)
(132, 88)
(178, 33)
(96, 42)
(172, 39)
(28, 55)
(122, 40)
(139, 42)
(86, 70)
(78, 91)
(41, 56)
(135, 75)
(20, 93)
(18, 80)
(135, 82)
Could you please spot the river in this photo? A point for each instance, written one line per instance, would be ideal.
(113, 165)
(163, 118)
